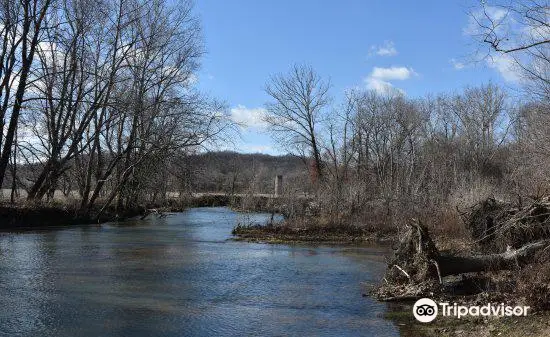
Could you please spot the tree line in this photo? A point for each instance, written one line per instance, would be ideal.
(381, 155)
(383, 149)
(394, 154)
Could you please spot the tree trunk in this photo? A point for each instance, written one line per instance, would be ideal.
(454, 265)
(26, 60)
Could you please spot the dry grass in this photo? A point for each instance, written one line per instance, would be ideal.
(313, 229)
(533, 283)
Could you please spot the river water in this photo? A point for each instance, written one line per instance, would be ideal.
(182, 275)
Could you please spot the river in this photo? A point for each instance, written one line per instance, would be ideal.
(183, 275)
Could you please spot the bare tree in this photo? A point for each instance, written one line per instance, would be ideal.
(519, 32)
(295, 114)
(484, 121)
(156, 113)
(80, 61)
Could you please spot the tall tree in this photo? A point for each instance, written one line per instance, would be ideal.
(295, 114)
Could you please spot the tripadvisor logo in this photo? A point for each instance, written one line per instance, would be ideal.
(425, 310)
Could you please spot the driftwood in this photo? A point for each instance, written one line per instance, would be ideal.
(455, 265)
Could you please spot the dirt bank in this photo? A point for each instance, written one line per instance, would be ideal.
(21, 217)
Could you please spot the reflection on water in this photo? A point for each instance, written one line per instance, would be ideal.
(183, 276)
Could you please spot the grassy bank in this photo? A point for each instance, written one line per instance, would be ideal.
(312, 230)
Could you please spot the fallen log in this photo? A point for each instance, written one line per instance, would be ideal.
(418, 267)
(455, 265)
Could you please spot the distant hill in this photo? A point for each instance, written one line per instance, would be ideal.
(241, 172)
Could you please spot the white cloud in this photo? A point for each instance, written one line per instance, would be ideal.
(378, 85)
(457, 64)
(379, 79)
(386, 49)
(506, 66)
(392, 73)
(248, 117)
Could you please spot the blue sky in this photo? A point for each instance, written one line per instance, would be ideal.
(417, 46)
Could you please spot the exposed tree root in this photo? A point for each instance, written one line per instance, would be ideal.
(417, 268)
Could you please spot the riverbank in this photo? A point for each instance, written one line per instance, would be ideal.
(26, 215)
(23, 215)
(240, 202)
(450, 261)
